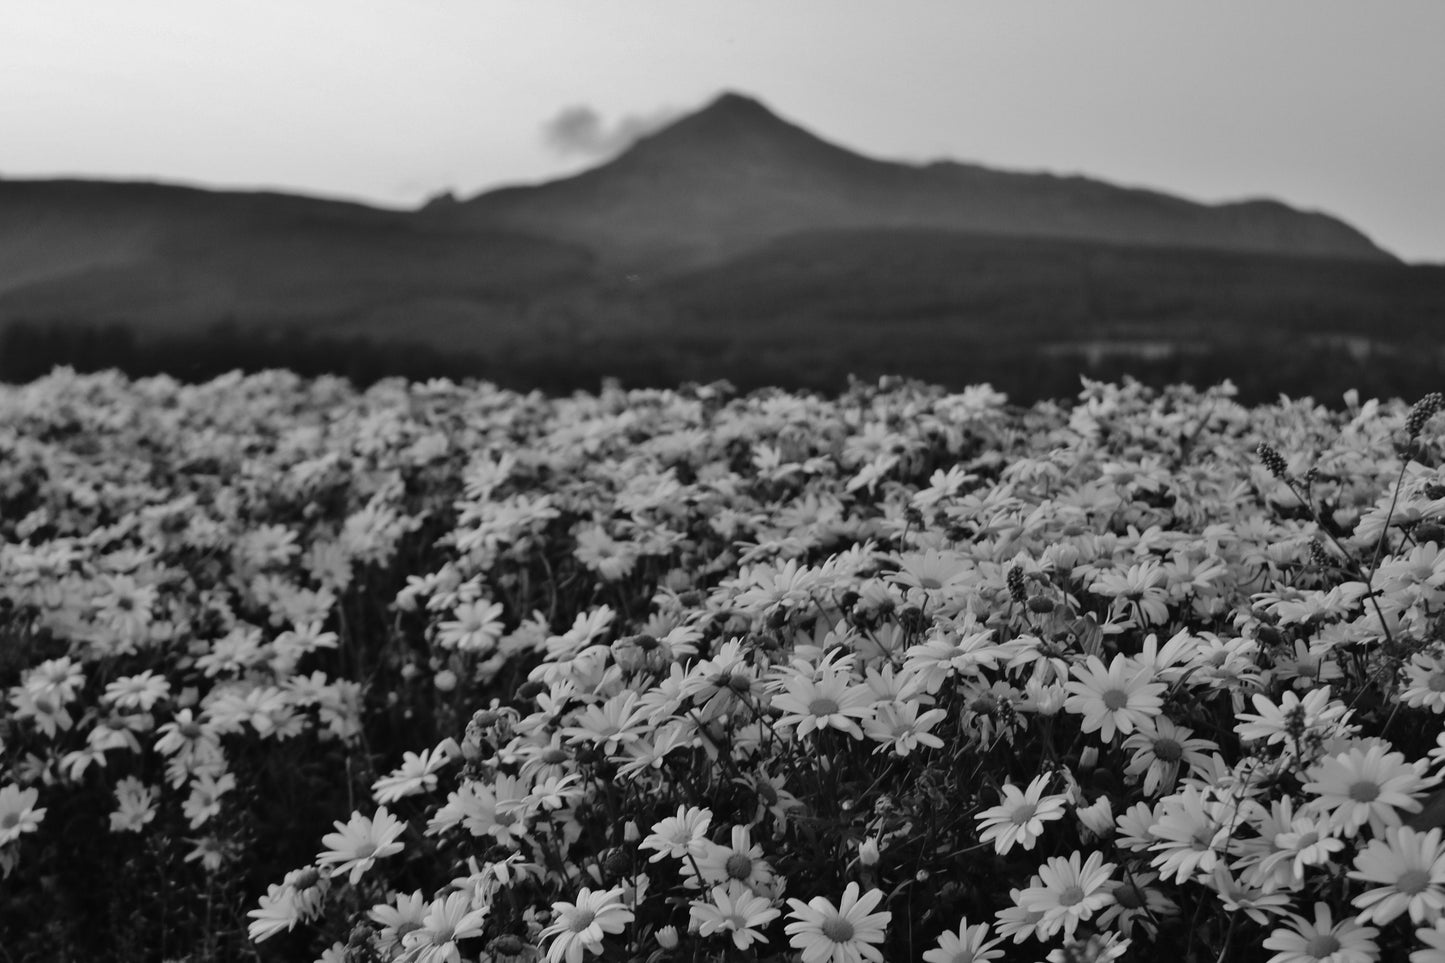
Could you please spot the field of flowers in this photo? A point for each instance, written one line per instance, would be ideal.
(438, 672)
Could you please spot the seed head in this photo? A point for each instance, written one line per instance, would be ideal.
(1421, 412)
(1016, 588)
(1272, 460)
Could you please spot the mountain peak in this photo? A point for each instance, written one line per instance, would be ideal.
(733, 175)
(732, 102)
(731, 130)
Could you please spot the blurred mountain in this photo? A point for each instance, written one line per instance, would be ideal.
(734, 175)
(165, 257)
(730, 243)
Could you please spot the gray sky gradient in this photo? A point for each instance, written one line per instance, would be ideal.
(1334, 105)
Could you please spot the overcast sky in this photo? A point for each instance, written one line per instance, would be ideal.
(1334, 105)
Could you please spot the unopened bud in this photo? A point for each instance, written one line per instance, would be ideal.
(667, 937)
(868, 852)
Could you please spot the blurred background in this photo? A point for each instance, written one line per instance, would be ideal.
(552, 193)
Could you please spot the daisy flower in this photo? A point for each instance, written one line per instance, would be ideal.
(842, 934)
(447, 920)
(398, 918)
(1425, 683)
(617, 721)
(1095, 949)
(135, 806)
(969, 945)
(278, 911)
(900, 726)
(1288, 843)
(18, 813)
(416, 774)
(1015, 921)
(1287, 722)
(736, 910)
(1020, 816)
(1121, 697)
(579, 927)
(358, 844)
(741, 861)
(1136, 902)
(1366, 786)
(1323, 941)
(1190, 833)
(477, 627)
(1411, 865)
(205, 799)
(678, 836)
(1069, 892)
(1141, 590)
(1434, 939)
(1238, 896)
(1160, 747)
(828, 700)
(141, 691)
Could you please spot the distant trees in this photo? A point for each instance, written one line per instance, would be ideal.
(750, 358)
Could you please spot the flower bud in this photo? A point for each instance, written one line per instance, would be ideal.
(868, 851)
(667, 937)
(445, 680)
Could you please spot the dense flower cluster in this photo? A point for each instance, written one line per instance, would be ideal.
(899, 675)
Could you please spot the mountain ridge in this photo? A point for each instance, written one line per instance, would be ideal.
(733, 175)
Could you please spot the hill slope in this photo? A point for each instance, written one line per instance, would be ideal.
(734, 175)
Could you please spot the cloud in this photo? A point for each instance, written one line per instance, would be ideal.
(581, 130)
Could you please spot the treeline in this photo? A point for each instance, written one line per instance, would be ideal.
(1262, 370)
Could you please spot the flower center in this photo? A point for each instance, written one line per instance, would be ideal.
(1072, 896)
(1115, 699)
(929, 582)
(838, 929)
(1364, 791)
(1168, 750)
(190, 730)
(44, 706)
(1023, 814)
(822, 706)
(443, 935)
(365, 850)
(1412, 881)
(1437, 682)
(9, 820)
(738, 866)
(552, 757)
(1322, 945)
(582, 920)
(1307, 840)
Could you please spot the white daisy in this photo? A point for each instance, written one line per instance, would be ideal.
(842, 934)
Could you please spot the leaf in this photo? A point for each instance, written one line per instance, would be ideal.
(1431, 815)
